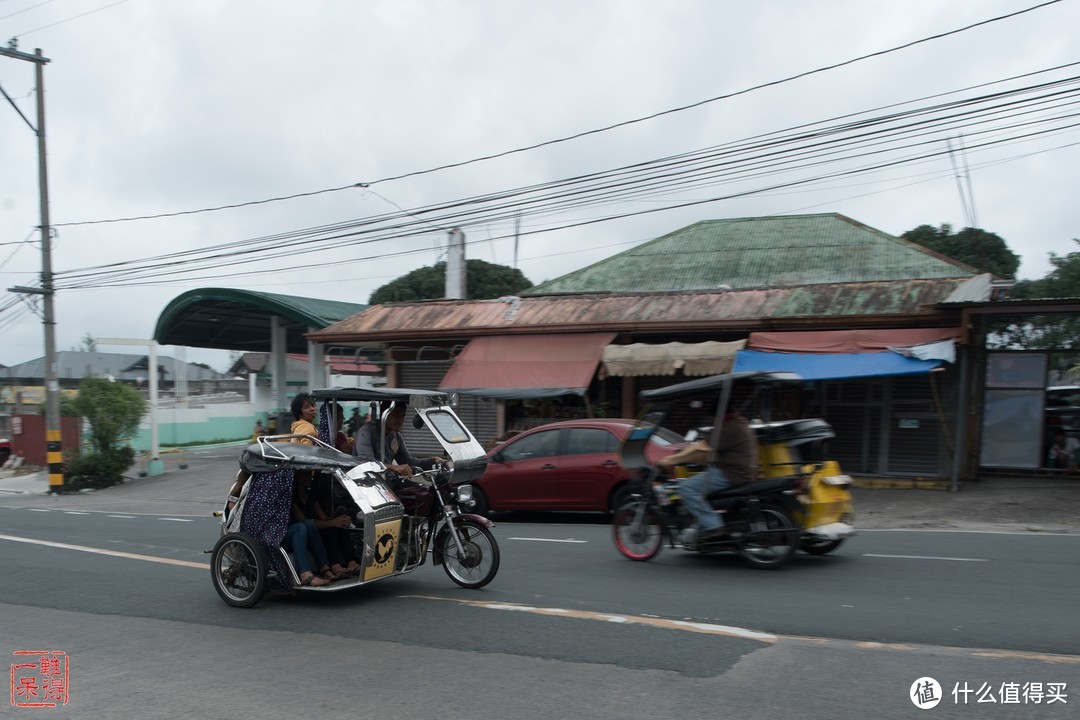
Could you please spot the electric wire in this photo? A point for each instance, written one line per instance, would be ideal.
(460, 211)
(578, 135)
(69, 19)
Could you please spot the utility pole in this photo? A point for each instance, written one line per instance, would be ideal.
(52, 383)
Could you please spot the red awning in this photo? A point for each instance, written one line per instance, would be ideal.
(527, 362)
(353, 367)
(847, 341)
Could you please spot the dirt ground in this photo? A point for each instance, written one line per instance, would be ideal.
(1049, 505)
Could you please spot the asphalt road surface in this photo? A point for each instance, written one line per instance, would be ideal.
(118, 582)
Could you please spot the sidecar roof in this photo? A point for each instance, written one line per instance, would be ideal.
(716, 382)
(266, 456)
(347, 394)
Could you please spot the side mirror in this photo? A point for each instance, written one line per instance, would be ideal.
(497, 457)
(417, 421)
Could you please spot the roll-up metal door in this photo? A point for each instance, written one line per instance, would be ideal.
(480, 416)
(915, 433)
(854, 409)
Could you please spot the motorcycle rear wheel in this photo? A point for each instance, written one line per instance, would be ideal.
(238, 568)
(638, 531)
(771, 542)
(820, 547)
(477, 567)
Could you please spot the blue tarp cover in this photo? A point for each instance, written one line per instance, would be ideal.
(834, 366)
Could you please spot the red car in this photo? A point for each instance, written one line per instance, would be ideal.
(569, 465)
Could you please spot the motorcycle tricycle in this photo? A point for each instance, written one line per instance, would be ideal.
(394, 522)
(799, 500)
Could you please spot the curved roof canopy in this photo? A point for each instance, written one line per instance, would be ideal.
(230, 319)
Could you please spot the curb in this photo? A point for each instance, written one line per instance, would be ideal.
(900, 484)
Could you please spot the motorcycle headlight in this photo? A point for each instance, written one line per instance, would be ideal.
(464, 494)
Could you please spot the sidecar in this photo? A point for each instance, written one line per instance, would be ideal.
(388, 524)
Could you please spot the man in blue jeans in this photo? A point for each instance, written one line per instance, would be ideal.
(734, 461)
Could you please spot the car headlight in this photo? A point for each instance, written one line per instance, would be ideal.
(464, 494)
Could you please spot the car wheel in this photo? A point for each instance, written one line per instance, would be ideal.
(619, 497)
(481, 506)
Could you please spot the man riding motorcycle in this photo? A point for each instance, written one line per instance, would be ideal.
(733, 461)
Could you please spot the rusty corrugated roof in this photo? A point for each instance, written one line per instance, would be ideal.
(844, 303)
(760, 252)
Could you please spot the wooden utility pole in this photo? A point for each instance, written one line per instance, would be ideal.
(52, 382)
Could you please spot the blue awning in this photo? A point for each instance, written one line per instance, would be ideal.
(834, 366)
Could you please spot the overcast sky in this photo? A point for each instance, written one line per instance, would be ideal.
(167, 107)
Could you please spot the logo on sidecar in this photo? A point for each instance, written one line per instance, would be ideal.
(384, 548)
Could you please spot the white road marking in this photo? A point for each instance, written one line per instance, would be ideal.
(727, 630)
(698, 627)
(126, 517)
(105, 512)
(926, 557)
(101, 551)
(547, 540)
(177, 519)
(707, 628)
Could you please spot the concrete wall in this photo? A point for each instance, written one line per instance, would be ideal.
(183, 426)
(224, 421)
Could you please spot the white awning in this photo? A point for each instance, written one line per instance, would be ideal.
(694, 359)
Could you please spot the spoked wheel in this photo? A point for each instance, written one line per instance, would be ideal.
(820, 547)
(238, 567)
(476, 567)
(772, 540)
(639, 532)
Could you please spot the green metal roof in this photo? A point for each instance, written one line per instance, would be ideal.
(760, 252)
(230, 319)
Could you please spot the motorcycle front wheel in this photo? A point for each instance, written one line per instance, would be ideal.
(639, 531)
(477, 566)
(238, 568)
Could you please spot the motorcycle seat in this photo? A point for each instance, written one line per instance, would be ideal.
(758, 487)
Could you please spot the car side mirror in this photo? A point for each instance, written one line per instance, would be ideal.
(498, 457)
(417, 421)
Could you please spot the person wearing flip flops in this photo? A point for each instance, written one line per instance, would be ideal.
(332, 532)
(300, 536)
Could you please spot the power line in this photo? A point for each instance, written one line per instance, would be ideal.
(575, 136)
(762, 157)
(65, 20)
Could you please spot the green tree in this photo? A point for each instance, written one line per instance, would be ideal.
(1044, 332)
(113, 411)
(982, 250)
(483, 281)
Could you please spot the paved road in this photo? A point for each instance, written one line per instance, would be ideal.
(566, 624)
(568, 628)
(1042, 505)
